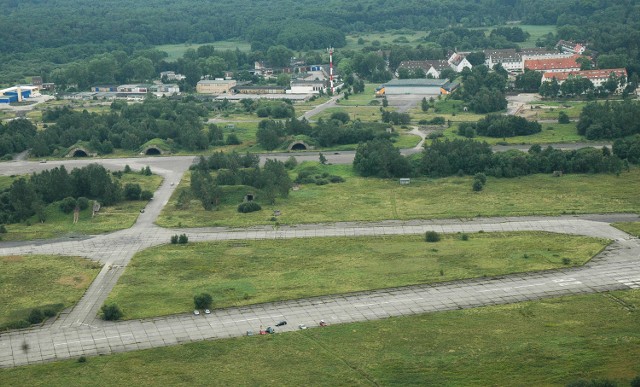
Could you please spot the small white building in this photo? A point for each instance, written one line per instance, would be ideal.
(307, 87)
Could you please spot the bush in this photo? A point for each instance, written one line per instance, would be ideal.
(82, 359)
(132, 191)
(3, 229)
(481, 177)
(183, 239)
(83, 203)
(336, 179)
(291, 162)
(322, 181)
(432, 236)
(146, 195)
(111, 312)
(35, 316)
(464, 237)
(477, 186)
(635, 382)
(563, 118)
(127, 169)
(232, 139)
(174, 239)
(249, 207)
(202, 301)
(67, 205)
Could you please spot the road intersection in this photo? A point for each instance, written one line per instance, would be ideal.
(79, 332)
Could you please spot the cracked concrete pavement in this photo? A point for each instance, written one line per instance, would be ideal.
(79, 332)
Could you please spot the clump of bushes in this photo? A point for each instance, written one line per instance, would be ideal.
(247, 207)
(479, 180)
(111, 312)
(312, 176)
(432, 236)
(181, 239)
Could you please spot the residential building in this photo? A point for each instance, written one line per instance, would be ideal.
(556, 65)
(458, 61)
(571, 47)
(597, 77)
(432, 68)
(215, 86)
(513, 61)
(171, 76)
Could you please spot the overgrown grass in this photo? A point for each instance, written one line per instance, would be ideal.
(632, 228)
(176, 51)
(371, 199)
(163, 280)
(120, 216)
(550, 342)
(37, 281)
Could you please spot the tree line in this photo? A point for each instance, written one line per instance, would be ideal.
(469, 157)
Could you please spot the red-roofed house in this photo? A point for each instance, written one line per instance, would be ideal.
(572, 47)
(597, 77)
(556, 65)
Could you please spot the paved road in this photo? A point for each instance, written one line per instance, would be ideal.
(81, 333)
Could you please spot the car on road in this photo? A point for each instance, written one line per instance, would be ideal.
(196, 312)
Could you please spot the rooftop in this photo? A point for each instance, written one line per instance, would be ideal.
(420, 82)
(552, 64)
(589, 74)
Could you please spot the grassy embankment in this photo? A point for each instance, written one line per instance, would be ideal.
(550, 342)
(372, 199)
(164, 279)
(45, 282)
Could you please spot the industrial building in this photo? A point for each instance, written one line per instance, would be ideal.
(215, 86)
(18, 93)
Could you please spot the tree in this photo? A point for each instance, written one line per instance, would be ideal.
(323, 160)
(202, 301)
(424, 104)
(279, 56)
(529, 81)
(379, 158)
(269, 134)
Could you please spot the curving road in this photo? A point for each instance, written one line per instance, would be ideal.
(79, 332)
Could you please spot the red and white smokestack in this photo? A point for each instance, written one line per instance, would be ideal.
(331, 68)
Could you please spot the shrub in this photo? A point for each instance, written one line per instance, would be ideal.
(83, 203)
(35, 316)
(336, 179)
(464, 237)
(132, 191)
(183, 239)
(3, 229)
(146, 195)
(174, 239)
(67, 205)
(635, 382)
(322, 181)
(291, 162)
(111, 312)
(432, 236)
(566, 261)
(477, 186)
(563, 118)
(49, 312)
(232, 139)
(481, 177)
(127, 169)
(249, 207)
(202, 301)
(82, 359)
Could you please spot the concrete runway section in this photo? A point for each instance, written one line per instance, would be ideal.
(79, 332)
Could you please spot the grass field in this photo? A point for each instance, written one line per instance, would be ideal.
(36, 281)
(112, 218)
(550, 342)
(163, 280)
(401, 37)
(632, 228)
(550, 133)
(370, 199)
(176, 51)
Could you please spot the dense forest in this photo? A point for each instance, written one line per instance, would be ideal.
(31, 44)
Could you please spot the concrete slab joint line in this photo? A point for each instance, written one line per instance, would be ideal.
(79, 332)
